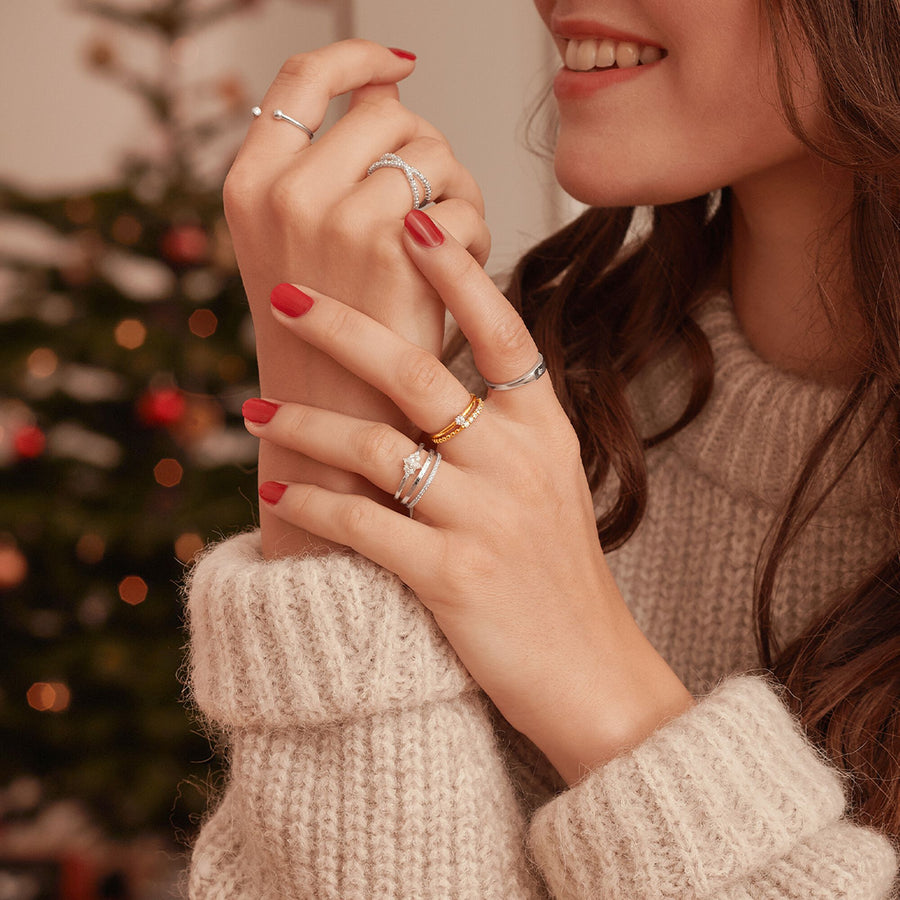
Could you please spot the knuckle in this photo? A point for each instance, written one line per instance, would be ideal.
(419, 371)
(305, 68)
(240, 191)
(285, 197)
(356, 516)
(375, 445)
(509, 336)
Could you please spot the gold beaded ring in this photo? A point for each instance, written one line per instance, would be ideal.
(461, 422)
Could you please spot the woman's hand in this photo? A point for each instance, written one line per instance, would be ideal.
(503, 548)
(307, 212)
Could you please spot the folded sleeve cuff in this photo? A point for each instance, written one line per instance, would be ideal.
(306, 641)
(726, 789)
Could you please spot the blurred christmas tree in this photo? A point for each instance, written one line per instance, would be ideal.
(127, 354)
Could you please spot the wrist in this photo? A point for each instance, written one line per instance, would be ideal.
(627, 694)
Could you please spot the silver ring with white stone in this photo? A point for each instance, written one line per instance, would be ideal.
(423, 470)
(535, 372)
(411, 464)
(256, 112)
(413, 176)
(411, 505)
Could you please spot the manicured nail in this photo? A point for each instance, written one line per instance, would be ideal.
(422, 229)
(403, 54)
(259, 411)
(291, 300)
(272, 491)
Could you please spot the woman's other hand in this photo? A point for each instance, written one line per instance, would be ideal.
(306, 211)
(503, 548)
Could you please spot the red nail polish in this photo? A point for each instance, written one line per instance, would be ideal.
(291, 300)
(403, 54)
(259, 411)
(272, 491)
(422, 229)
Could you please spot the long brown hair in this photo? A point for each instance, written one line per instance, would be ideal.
(601, 309)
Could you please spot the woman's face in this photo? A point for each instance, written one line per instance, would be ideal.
(704, 115)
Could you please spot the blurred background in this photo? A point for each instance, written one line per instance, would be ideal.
(127, 353)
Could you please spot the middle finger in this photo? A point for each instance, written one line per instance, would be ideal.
(417, 382)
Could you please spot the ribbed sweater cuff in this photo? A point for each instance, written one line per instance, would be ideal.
(307, 641)
(725, 789)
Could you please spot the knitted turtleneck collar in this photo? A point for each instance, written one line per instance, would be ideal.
(757, 426)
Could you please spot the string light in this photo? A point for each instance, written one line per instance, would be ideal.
(187, 546)
(49, 696)
(90, 548)
(130, 333)
(168, 472)
(203, 323)
(127, 230)
(42, 362)
(133, 590)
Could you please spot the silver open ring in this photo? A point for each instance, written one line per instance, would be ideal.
(256, 112)
(413, 176)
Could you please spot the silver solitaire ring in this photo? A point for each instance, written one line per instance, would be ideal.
(422, 471)
(535, 372)
(413, 176)
(256, 112)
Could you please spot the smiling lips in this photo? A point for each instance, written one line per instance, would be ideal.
(590, 54)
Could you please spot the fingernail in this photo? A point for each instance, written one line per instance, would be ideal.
(291, 300)
(422, 229)
(272, 491)
(259, 411)
(403, 54)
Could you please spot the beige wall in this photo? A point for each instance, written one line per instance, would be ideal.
(481, 62)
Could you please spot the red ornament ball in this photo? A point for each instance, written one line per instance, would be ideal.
(185, 245)
(161, 407)
(29, 442)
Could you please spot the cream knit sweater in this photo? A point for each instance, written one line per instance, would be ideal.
(365, 763)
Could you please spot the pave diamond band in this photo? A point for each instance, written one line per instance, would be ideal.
(413, 176)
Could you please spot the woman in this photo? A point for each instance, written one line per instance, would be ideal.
(522, 710)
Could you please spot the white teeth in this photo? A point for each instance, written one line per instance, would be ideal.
(628, 55)
(582, 56)
(606, 54)
(650, 54)
(586, 56)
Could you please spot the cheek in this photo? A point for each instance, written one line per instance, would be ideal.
(691, 130)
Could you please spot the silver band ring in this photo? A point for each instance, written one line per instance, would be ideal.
(411, 505)
(535, 372)
(420, 475)
(256, 112)
(410, 464)
(413, 176)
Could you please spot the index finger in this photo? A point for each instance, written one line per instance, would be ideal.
(308, 82)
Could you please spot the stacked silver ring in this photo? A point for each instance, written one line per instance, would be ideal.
(419, 470)
(413, 176)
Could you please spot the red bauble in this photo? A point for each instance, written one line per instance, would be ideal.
(161, 407)
(29, 442)
(186, 245)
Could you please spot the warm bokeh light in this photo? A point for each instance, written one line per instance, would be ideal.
(231, 368)
(203, 323)
(42, 362)
(49, 696)
(130, 333)
(13, 566)
(168, 472)
(187, 546)
(133, 590)
(90, 548)
(127, 229)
